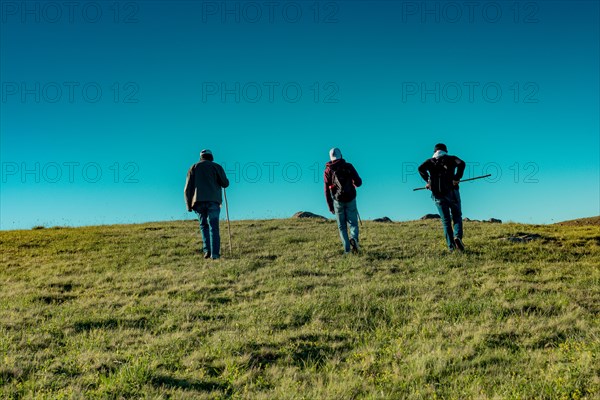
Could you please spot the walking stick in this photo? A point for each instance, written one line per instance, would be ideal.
(464, 180)
(228, 223)
(361, 225)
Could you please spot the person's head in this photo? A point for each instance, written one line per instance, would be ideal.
(206, 155)
(335, 154)
(440, 146)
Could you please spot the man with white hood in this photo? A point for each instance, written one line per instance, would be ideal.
(341, 181)
(442, 173)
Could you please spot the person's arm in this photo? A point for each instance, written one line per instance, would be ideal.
(327, 180)
(188, 191)
(223, 181)
(356, 180)
(424, 170)
(460, 169)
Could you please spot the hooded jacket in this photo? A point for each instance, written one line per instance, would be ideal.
(441, 174)
(333, 166)
(204, 182)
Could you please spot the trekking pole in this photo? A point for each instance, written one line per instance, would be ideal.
(228, 223)
(361, 225)
(464, 180)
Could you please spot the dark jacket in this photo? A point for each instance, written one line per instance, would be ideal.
(204, 182)
(441, 173)
(330, 188)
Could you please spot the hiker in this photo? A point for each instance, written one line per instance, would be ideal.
(442, 173)
(203, 195)
(341, 181)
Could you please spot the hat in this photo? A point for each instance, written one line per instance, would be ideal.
(440, 146)
(206, 155)
(335, 154)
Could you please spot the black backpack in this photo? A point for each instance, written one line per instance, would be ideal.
(442, 175)
(343, 187)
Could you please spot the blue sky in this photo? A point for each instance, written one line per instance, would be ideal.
(106, 105)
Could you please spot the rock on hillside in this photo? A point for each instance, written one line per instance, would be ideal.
(491, 220)
(430, 216)
(523, 237)
(306, 214)
(384, 219)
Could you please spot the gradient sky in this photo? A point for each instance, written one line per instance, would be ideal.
(104, 107)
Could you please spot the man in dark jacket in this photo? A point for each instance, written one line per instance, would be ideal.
(341, 181)
(203, 195)
(442, 173)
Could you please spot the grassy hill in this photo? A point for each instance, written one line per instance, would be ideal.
(134, 311)
(582, 221)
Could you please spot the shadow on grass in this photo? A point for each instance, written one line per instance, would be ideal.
(63, 287)
(303, 272)
(111, 323)
(378, 255)
(55, 299)
(506, 340)
(313, 351)
(263, 358)
(164, 381)
(554, 338)
(7, 376)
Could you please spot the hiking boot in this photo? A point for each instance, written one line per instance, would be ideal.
(459, 244)
(207, 255)
(354, 246)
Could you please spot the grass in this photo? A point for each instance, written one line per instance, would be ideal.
(134, 311)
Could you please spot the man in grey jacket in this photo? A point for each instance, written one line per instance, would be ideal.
(203, 195)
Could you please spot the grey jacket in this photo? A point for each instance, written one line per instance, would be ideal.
(204, 182)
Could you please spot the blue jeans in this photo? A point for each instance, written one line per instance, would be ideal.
(449, 208)
(208, 214)
(346, 213)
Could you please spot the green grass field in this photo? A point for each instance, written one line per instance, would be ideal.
(134, 311)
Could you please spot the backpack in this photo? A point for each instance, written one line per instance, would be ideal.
(343, 187)
(442, 175)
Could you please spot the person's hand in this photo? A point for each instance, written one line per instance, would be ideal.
(428, 186)
(331, 211)
(189, 210)
(455, 183)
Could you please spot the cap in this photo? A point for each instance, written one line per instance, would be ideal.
(335, 154)
(440, 146)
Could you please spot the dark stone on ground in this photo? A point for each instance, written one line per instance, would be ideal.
(306, 214)
(494, 221)
(430, 216)
(384, 219)
(523, 237)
